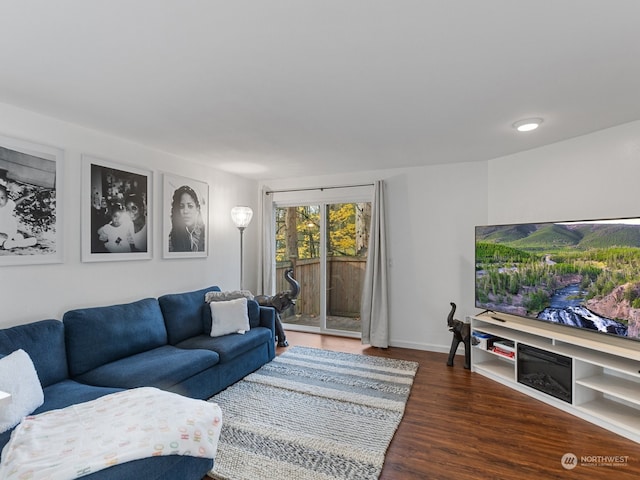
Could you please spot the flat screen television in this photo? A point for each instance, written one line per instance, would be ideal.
(582, 274)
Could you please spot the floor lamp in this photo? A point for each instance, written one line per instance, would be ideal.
(241, 217)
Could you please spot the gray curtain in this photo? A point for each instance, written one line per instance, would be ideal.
(374, 309)
(266, 265)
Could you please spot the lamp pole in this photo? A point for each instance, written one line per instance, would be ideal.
(241, 262)
(241, 217)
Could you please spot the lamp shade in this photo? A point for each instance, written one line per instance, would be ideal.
(241, 216)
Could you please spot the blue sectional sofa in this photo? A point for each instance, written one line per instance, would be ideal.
(154, 342)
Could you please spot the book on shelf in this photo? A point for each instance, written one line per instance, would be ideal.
(508, 345)
(503, 352)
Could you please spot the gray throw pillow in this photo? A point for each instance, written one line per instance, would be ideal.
(228, 295)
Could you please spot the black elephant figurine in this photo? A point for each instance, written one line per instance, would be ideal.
(280, 302)
(461, 333)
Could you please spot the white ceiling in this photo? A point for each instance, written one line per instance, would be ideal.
(284, 88)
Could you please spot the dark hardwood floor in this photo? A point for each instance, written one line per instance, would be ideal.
(461, 425)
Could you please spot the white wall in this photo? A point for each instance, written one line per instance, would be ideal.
(35, 292)
(431, 212)
(588, 177)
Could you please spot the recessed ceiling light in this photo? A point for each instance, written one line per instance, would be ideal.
(527, 124)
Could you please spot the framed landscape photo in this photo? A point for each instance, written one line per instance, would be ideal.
(116, 211)
(185, 214)
(30, 203)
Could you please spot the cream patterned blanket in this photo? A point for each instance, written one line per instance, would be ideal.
(84, 438)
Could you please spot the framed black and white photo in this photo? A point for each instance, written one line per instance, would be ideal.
(185, 215)
(30, 203)
(116, 211)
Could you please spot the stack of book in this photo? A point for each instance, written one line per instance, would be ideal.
(504, 347)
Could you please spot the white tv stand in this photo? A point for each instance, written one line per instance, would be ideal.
(605, 371)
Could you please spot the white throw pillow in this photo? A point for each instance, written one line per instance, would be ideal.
(228, 317)
(19, 378)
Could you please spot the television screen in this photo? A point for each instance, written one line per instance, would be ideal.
(584, 274)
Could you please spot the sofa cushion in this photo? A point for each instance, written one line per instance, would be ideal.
(162, 367)
(230, 346)
(62, 394)
(170, 467)
(18, 377)
(182, 313)
(69, 392)
(130, 328)
(50, 362)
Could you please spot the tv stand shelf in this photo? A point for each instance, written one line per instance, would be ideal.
(605, 373)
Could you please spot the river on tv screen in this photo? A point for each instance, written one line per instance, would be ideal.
(581, 274)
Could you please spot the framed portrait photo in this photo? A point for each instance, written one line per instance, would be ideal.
(116, 211)
(30, 203)
(185, 215)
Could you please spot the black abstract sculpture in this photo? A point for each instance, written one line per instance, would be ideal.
(280, 302)
(461, 333)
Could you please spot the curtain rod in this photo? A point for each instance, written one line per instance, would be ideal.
(318, 188)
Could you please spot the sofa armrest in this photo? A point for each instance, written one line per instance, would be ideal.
(268, 319)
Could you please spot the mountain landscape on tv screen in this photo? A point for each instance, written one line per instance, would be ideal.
(581, 274)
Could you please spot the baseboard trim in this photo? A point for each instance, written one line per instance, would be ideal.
(420, 346)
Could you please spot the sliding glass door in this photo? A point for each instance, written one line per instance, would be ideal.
(326, 245)
(347, 234)
(298, 247)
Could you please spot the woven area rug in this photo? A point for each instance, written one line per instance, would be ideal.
(312, 414)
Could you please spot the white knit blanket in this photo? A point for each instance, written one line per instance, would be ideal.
(84, 438)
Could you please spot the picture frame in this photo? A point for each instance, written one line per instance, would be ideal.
(31, 203)
(117, 206)
(185, 217)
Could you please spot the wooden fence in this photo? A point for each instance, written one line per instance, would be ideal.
(345, 277)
